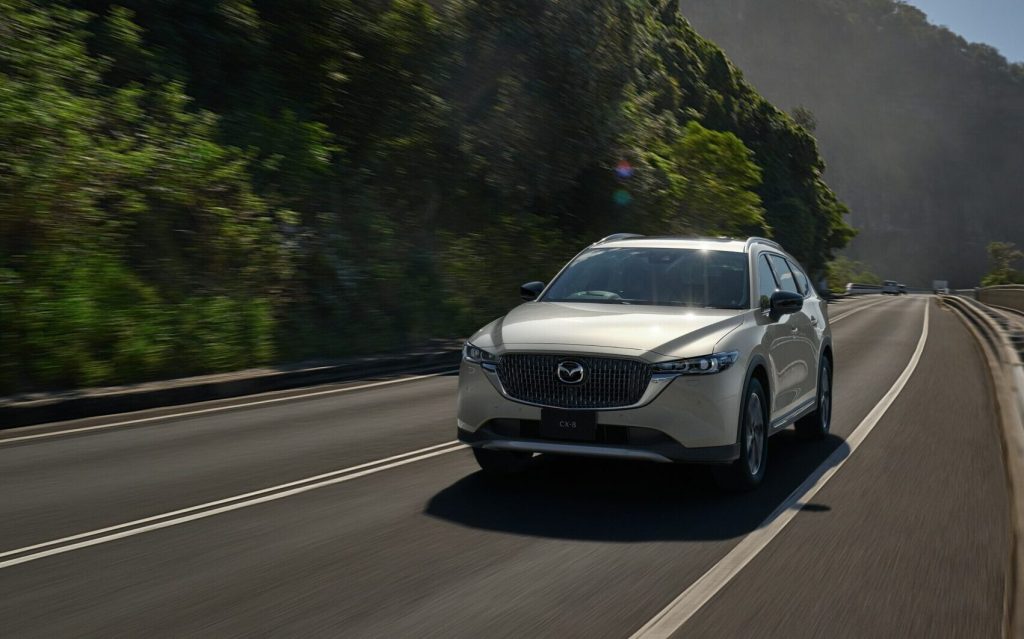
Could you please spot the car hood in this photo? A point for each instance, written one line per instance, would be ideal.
(609, 328)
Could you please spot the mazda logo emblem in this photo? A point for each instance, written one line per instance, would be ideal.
(570, 372)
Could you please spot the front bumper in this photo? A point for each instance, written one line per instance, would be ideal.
(656, 451)
(691, 419)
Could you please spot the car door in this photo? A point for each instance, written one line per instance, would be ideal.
(811, 328)
(779, 342)
(798, 370)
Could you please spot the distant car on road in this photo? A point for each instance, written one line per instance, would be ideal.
(890, 287)
(657, 349)
(903, 289)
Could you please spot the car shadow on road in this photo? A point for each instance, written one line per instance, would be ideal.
(597, 500)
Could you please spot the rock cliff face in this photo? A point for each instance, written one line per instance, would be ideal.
(922, 132)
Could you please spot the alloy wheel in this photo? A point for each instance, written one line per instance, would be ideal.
(755, 434)
(825, 400)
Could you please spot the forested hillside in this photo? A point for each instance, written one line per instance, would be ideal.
(923, 132)
(204, 185)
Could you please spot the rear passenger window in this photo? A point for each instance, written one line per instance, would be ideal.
(783, 275)
(766, 284)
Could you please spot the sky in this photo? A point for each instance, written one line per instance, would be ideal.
(999, 23)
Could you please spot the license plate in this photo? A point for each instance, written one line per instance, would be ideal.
(573, 425)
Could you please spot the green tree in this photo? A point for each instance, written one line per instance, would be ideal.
(1002, 256)
(805, 118)
(197, 185)
(881, 80)
(843, 270)
(123, 218)
(709, 178)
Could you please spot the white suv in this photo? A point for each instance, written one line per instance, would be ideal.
(658, 349)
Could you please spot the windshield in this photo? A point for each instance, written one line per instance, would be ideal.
(655, 276)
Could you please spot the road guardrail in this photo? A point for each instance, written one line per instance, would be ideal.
(40, 408)
(863, 289)
(994, 333)
(875, 289)
(1010, 296)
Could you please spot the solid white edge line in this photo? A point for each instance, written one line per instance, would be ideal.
(263, 491)
(677, 613)
(216, 409)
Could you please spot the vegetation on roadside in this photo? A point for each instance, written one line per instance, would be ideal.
(921, 128)
(843, 270)
(1002, 256)
(196, 186)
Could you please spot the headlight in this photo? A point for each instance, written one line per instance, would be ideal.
(477, 355)
(706, 365)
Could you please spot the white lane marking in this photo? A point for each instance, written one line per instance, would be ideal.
(217, 409)
(225, 500)
(671, 619)
(166, 523)
(856, 310)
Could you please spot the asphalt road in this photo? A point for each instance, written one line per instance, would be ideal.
(909, 538)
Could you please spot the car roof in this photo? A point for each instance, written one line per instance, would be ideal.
(704, 243)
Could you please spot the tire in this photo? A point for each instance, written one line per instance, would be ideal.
(817, 424)
(501, 463)
(747, 472)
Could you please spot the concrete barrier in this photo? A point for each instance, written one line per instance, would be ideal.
(39, 408)
(1009, 296)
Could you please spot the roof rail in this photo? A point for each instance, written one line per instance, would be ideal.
(764, 240)
(616, 236)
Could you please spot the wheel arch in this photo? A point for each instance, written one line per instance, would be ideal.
(757, 369)
(826, 351)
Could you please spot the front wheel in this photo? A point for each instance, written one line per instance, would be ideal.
(817, 424)
(747, 472)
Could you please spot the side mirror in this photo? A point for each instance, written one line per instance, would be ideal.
(531, 290)
(785, 302)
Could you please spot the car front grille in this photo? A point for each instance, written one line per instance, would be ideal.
(607, 382)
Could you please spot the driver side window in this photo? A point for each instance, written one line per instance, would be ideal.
(766, 284)
(783, 275)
